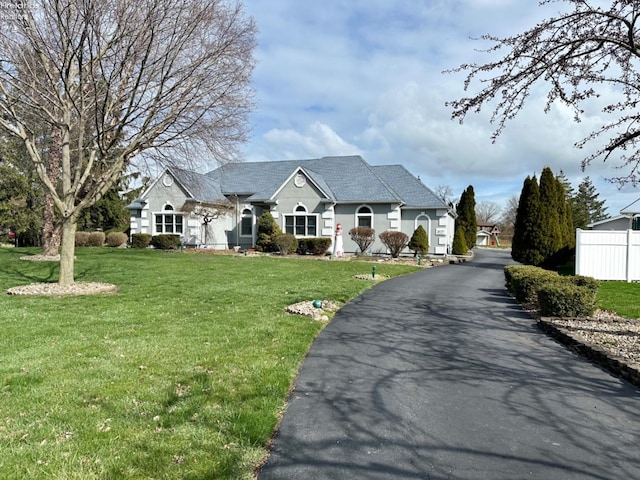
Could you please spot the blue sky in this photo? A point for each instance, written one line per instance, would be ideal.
(342, 77)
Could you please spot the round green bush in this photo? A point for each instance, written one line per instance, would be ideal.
(140, 240)
(165, 241)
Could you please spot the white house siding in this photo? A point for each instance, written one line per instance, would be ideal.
(608, 255)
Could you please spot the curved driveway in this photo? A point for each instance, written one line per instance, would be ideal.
(439, 375)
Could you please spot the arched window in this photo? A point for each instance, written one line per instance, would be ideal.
(246, 223)
(301, 223)
(364, 217)
(168, 222)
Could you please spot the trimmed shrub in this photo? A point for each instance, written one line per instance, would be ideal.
(419, 242)
(286, 243)
(82, 239)
(165, 241)
(525, 282)
(313, 246)
(96, 239)
(566, 299)
(363, 237)
(268, 229)
(395, 241)
(140, 240)
(116, 239)
(459, 246)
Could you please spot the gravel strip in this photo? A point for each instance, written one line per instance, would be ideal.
(54, 289)
(618, 337)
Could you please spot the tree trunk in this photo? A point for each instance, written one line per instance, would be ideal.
(67, 252)
(51, 230)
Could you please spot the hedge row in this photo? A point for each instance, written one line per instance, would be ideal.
(313, 246)
(98, 239)
(553, 294)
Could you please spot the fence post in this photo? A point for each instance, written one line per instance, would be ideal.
(578, 265)
(627, 272)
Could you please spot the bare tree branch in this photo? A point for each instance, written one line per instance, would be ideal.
(573, 54)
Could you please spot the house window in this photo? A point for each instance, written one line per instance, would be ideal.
(364, 217)
(300, 223)
(246, 223)
(168, 222)
(635, 224)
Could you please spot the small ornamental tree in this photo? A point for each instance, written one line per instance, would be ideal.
(459, 242)
(363, 236)
(419, 242)
(268, 230)
(395, 241)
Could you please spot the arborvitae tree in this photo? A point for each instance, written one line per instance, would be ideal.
(459, 242)
(419, 242)
(268, 229)
(466, 211)
(527, 228)
(552, 240)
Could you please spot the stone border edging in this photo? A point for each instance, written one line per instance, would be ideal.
(616, 366)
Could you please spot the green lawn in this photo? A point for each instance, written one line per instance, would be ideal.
(620, 297)
(182, 374)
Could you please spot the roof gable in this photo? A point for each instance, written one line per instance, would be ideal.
(631, 209)
(347, 179)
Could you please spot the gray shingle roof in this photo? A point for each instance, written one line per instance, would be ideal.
(411, 190)
(347, 179)
(200, 187)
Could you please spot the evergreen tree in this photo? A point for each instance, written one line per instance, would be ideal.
(466, 216)
(268, 230)
(527, 228)
(419, 242)
(592, 209)
(459, 246)
(552, 240)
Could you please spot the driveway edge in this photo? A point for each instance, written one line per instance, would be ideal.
(617, 366)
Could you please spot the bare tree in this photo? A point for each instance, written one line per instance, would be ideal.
(120, 79)
(487, 212)
(574, 53)
(508, 219)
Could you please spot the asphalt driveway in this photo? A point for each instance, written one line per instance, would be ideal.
(439, 375)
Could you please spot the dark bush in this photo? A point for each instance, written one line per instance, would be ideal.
(313, 246)
(459, 246)
(419, 242)
(395, 241)
(565, 299)
(363, 237)
(140, 240)
(165, 241)
(96, 239)
(268, 229)
(116, 239)
(286, 243)
(82, 239)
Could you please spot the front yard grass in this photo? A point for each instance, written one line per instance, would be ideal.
(182, 374)
(620, 297)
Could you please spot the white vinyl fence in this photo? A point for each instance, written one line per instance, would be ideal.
(608, 254)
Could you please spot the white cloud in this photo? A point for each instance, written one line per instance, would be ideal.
(319, 140)
(364, 77)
